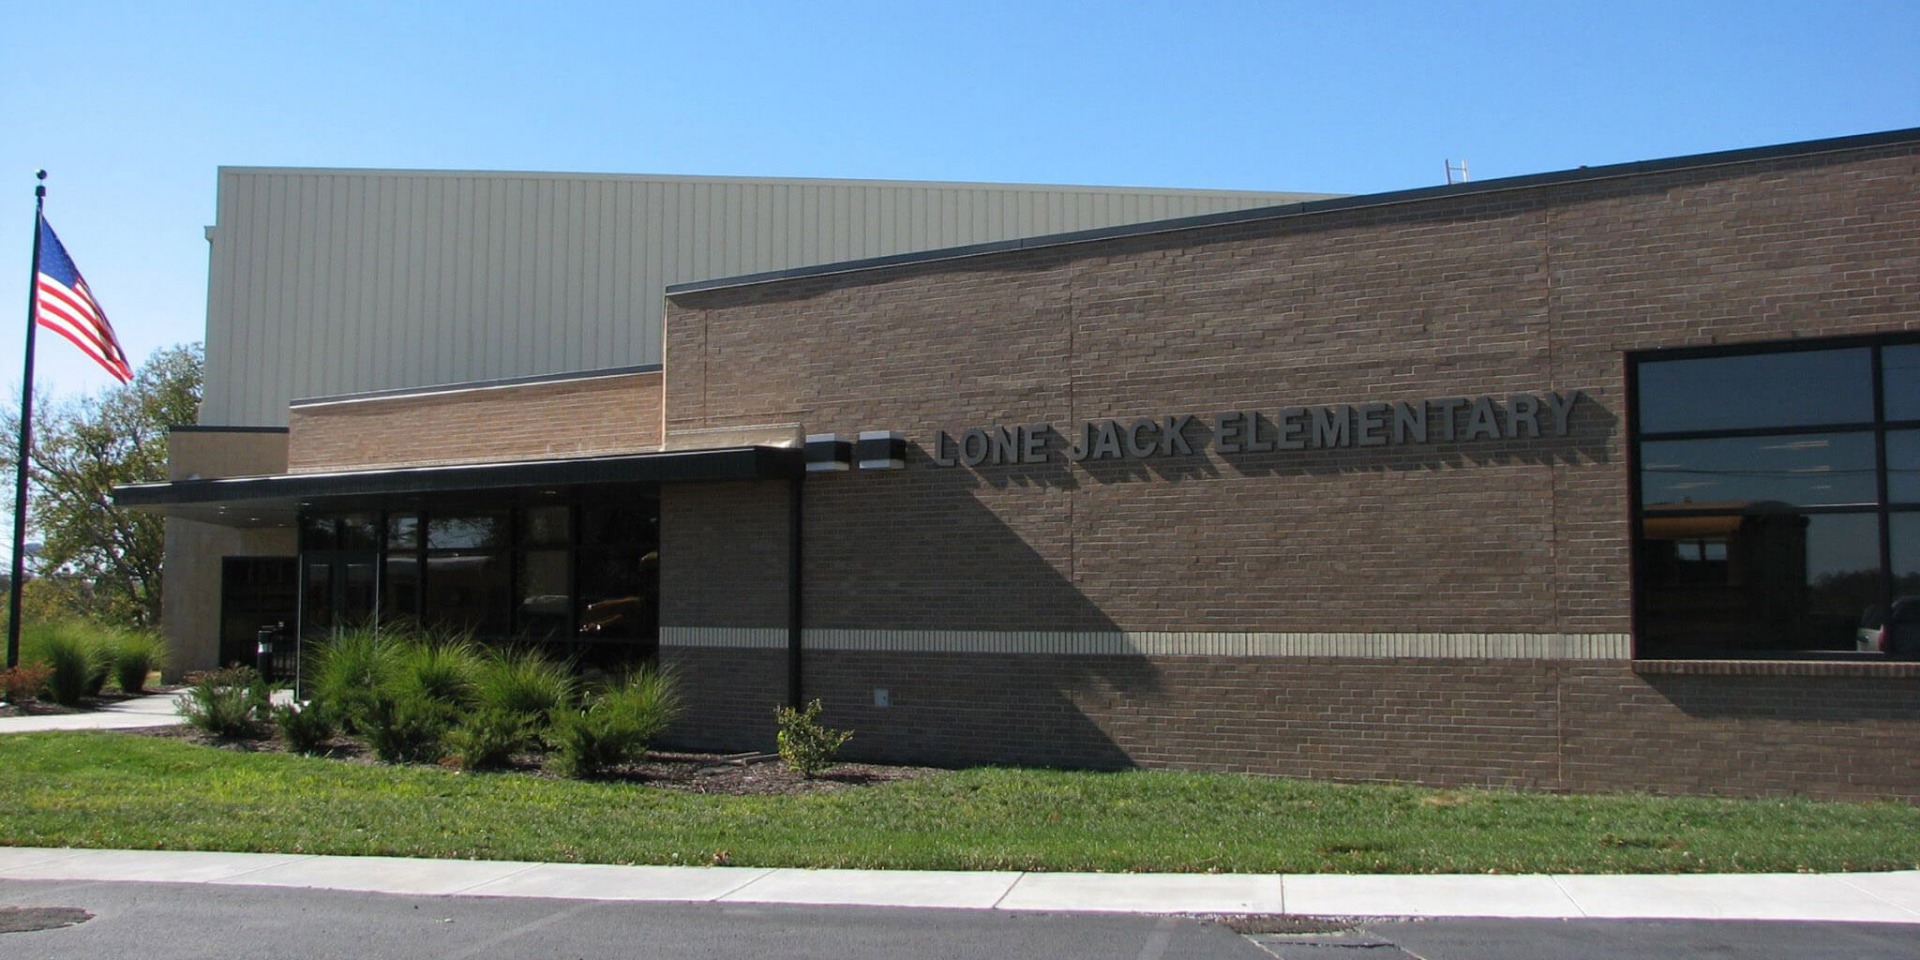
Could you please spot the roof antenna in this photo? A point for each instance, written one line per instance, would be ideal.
(1456, 168)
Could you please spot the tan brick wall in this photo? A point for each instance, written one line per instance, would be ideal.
(1534, 290)
(1531, 724)
(190, 606)
(531, 421)
(1526, 291)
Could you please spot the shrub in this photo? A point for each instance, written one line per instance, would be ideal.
(524, 684)
(807, 747)
(406, 726)
(446, 670)
(136, 654)
(304, 727)
(488, 739)
(351, 667)
(225, 703)
(615, 726)
(24, 682)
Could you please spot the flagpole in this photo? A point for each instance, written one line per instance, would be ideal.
(25, 449)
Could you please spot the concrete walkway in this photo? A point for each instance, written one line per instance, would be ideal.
(1853, 897)
(156, 710)
(1862, 897)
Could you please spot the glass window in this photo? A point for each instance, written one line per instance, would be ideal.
(619, 593)
(400, 588)
(319, 532)
(1903, 466)
(1759, 536)
(1900, 370)
(474, 531)
(469, 590)
(546, 526)
(545, 597)
(1800, 469)
(1805, 388)
(403, 531)
(360, 531)
(624, 525)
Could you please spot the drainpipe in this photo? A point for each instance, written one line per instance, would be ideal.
(793, 592)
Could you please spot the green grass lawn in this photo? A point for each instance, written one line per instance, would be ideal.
(126, 791)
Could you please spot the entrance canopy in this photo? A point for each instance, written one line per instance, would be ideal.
(275, 501)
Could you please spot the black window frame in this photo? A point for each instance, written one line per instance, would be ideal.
(1881, 508)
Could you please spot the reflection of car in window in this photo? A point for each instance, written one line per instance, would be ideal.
(1894, 632)
(615, 616)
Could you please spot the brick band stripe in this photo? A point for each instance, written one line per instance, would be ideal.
(1464, 646)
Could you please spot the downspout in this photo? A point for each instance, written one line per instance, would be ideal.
(793, 591)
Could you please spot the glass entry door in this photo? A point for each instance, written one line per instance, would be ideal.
(339, 590)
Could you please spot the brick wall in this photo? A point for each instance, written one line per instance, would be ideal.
(530, 421)
(1521, 291)
(1532, 724)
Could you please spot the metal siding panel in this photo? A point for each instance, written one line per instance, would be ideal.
(328, 282)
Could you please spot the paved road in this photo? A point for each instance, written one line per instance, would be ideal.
(194, 922)
(158, 921)
(1466, 939)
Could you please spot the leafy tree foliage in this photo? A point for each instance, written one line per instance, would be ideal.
(101, 560)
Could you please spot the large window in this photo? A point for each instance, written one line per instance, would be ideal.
(1778, 504)
(582, 579)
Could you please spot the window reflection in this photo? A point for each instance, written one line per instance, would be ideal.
(497, 574)
(1758, 537)
(1806, 470)
(1900, 368)
(1806, 388)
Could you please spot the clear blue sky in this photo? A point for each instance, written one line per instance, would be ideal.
(132, 106)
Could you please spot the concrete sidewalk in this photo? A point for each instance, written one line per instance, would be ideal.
(154, 710)
(1860, 898)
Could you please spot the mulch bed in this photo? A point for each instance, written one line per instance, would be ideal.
(736, 774)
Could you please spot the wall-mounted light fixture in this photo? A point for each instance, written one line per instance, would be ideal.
(881, 450)
(827, 452)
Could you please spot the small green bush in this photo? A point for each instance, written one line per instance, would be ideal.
(488, 739)
(407, 726)
(135, 654)
(807, 747)
(229, 702)
(616, 725)
(525, 684)
(304, 727)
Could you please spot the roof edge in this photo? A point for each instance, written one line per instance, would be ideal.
(1806, 148)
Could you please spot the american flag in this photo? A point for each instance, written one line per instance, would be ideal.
(64, 305)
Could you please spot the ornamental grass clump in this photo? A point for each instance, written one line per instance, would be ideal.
(405, 725)
(489, 738)
(228, 703)
(807, 747)
(524, 684)
(135, 655)
(615, 726)
(304, 727)
(352, 666)
(78, 661)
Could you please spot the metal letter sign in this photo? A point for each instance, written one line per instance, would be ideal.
(1334, 426)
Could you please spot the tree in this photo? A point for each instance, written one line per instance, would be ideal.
(103, 560)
